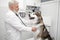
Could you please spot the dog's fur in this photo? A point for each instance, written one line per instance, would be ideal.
(44, 34)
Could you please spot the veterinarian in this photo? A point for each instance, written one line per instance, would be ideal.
(14, 24)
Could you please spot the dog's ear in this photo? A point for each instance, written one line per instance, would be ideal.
(38, 14)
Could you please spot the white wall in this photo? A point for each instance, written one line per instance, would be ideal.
(3, 11)
(4, 3)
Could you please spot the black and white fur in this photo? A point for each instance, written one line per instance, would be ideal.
(42, 27)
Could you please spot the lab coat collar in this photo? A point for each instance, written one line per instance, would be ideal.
(13, 12)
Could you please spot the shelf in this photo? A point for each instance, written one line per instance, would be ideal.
(46, 0)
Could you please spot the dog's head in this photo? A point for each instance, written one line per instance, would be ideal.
(37, 16)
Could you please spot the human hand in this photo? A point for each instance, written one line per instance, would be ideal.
(34, 29)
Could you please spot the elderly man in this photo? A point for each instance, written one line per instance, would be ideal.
(14, 24)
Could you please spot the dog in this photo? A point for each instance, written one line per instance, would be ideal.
(43, 34)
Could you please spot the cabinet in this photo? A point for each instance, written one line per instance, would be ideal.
(58, 29)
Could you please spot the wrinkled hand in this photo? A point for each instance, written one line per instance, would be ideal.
(34, 29)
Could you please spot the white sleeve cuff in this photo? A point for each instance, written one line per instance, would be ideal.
(29, 29)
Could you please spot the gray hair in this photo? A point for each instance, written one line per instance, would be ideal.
(12, 2)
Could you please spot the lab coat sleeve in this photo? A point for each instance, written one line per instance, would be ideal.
(15, 22)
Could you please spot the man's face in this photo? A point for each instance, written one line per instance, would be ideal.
(16, 7)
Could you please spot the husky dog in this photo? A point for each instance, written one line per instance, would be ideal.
(43, 34)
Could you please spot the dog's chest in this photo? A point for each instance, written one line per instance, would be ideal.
(40, 39)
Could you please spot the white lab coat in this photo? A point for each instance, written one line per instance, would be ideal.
(14, 27)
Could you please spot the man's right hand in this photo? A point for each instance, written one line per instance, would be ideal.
(34, 29)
